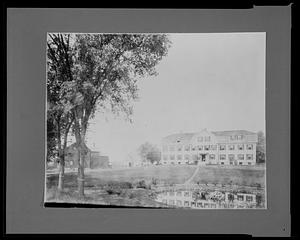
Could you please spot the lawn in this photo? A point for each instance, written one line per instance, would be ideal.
(134, 186)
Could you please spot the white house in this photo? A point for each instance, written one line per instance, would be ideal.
(237, 147)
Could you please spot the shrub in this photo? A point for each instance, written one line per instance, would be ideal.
(111, 190)
(141, 184)
(154, 181)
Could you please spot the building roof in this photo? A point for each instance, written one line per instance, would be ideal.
(233, 132)
(73, 146)
(186, 137)
(178, 138)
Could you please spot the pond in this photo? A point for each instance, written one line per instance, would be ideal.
(198, 199)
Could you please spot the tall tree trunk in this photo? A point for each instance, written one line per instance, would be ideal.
(62, 158)
(81, 172)
(80, 131)
(61, 173)
(61, 162)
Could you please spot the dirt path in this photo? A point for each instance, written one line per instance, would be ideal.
(192, 177)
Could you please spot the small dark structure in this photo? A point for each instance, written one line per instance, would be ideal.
(93, 159)
(98, 161)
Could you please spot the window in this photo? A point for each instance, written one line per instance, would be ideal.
(172, 163)
(178, 162)
(249, 146)
(165, 157)
(199, 139)
(207, 138)
(240, 197)
(171, 193)
(249, 163)
(186, 203)
(179, 157)
(187, 157)
(213, 205)
(187, 148)
(249, 198)
(240, 137)
(172, 148)
(212, 156)
(165, 162)
(172, 157)
(234, 137)
(231, 157)
(231, 163)
(222, 157)
(241, 147)
(193, 148)
(240, 163)
(231, 147)
(241, 156)
(179, 148)
(249, 157)
(192, 204)
(171, 202)
(213, 147)
(206, 147)
(186, 194)
(222, 163)
(165, 148)
(178, 203)
(222, 147)
(230, 197)
(200, 148)
(178, 194)
(199, 204)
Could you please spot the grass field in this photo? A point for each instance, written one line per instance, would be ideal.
(122, 186)
(245, 176)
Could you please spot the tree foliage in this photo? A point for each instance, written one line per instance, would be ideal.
(99, 71)
(261, 148)
(149, 153)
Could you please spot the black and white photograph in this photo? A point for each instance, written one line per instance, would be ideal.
(156, 120)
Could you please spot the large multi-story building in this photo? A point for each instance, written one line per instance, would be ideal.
(236, 147)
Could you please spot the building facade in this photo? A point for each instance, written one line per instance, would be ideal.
(236, 147)
(93, 159)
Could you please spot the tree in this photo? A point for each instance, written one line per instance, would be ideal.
(51, 140)
(261, 148)
(101, 72)
(59, 121)
(149, 153)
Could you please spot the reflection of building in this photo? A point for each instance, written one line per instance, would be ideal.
(93, 159)
(185, 198)
(224, 147)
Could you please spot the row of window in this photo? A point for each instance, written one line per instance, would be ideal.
(240, 197)
(210, 157)
(207, 147)
(205, 139)
(222, 163)
(236, 137)
(201, 204)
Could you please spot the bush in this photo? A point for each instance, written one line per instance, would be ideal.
(114, 187)
(154, 181)
(141, 184)
(122, 185)
(111, 191)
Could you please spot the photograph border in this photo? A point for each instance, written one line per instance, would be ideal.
(26, 36)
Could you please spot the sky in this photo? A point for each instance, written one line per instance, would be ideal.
(209, 80)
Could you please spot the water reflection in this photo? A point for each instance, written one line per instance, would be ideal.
(208, 199)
